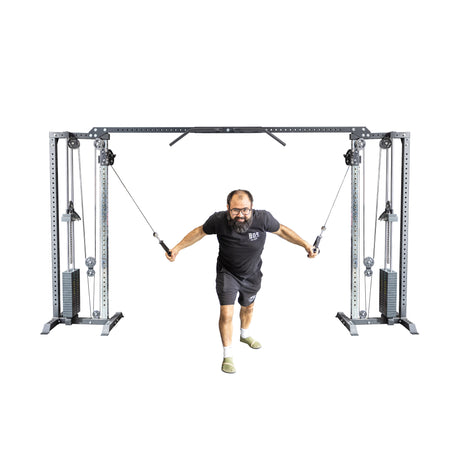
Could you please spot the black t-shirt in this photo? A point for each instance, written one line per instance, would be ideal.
(240, 253)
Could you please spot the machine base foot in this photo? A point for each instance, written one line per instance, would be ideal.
(348, 323)
(50, 325)
(108, 324)
(351, 324)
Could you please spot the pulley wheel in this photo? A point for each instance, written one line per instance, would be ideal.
(386, 143)
(73, 143)
(90, 262)
(99, 144)
(360, 144)
(369, 262)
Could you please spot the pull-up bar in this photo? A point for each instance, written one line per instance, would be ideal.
(356, 132)
(248, 130)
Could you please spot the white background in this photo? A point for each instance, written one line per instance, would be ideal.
(153, 388)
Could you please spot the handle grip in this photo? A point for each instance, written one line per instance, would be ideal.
(163, 245)
(316, 245)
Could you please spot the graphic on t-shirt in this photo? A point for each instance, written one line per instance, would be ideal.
(254, 236)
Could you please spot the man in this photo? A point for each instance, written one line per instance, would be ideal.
(241, 232)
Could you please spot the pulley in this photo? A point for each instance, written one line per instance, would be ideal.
(368, 263)
(73, 143)
(360, 144)
(386, 143)
(90, 263)
(99, 144)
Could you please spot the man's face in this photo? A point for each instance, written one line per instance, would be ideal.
(240, 213)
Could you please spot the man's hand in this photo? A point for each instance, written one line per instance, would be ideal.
(311, 252)
(174, 251)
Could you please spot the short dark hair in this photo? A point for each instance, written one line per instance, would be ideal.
(238, 192)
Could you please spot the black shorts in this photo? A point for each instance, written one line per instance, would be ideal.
(228, 286)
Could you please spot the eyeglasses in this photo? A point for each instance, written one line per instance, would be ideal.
(236, 211)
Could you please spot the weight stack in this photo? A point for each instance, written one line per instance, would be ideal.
(71, 293)
(388, 292)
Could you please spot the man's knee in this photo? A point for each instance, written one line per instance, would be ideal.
(248, 309)
(226, 313)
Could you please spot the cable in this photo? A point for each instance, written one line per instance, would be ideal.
(335, 199)
(323, 228)
(367, 300)
(134, 201)
(155, 234)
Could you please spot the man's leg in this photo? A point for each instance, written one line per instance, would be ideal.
(246, 318)
(226, 333)
(226, 324)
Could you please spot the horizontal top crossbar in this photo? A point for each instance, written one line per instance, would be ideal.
(355, 132)
(233, 129)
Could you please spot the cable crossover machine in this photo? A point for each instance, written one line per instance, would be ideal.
(66, 291)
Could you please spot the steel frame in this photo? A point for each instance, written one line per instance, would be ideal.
(355, 133)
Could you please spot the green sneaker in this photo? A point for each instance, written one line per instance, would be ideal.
(251, 342)
(228, 366)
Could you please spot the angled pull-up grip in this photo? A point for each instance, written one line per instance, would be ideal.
(219, 130)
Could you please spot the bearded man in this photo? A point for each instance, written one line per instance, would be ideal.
(241, 232)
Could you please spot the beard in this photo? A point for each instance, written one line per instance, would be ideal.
(240, 226)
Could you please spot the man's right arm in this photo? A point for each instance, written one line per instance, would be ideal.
(191, 238)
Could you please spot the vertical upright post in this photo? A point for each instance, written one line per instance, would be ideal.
(355, 236)
(54, 189)
(404, 226)
(104, 235)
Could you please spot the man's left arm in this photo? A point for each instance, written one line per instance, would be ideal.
(291, 236)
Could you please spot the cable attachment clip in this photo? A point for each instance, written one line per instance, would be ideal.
(107, 157)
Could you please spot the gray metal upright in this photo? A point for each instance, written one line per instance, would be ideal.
(355, 233)
(104, 237)
(55, 244)
(404, 235)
